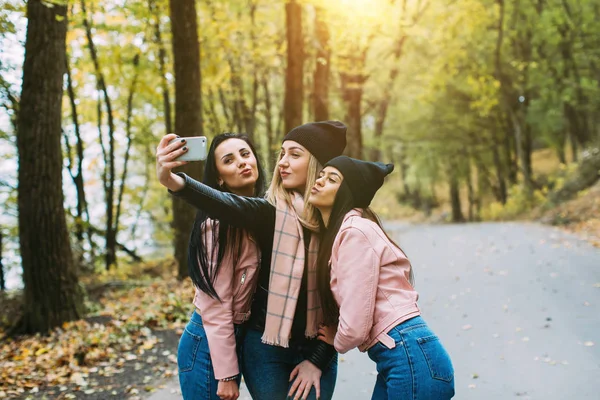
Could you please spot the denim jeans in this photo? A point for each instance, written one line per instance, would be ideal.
(196, 374)
(267, 369)
(418, 368)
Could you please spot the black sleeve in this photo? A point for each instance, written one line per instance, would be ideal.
(243, 212)
(320, 353)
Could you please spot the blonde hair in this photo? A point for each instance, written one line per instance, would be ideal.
(275, 191)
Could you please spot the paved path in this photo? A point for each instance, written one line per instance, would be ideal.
(516, 305)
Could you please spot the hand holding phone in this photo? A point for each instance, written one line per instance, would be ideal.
(197, 149)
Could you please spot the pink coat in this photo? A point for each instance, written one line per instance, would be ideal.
(235, 285)
(369, 281)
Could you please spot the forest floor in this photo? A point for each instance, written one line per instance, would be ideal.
(580, 215)
(124, 348)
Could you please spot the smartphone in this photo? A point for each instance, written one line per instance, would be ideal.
(197, 148)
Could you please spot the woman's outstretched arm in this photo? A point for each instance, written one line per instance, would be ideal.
(242, 212)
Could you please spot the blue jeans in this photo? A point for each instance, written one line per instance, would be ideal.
(418, 368)
(267, 369)
(196, 374)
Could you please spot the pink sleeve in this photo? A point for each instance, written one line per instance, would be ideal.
(217, 316)
(357, 271)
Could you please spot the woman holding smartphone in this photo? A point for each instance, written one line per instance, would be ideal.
(365, 284)
(223, 264)
(280, 344)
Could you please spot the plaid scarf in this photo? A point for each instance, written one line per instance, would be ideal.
(287, 268)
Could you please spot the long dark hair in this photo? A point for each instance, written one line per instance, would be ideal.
(343, 203)
(227, 238)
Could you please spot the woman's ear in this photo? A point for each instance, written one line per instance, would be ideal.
(220, 182)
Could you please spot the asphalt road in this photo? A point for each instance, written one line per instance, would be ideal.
(516, 305)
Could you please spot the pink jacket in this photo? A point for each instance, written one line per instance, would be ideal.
(235, 285)
(369, 281)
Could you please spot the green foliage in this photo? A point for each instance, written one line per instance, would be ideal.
(520, 201)
(452, 91)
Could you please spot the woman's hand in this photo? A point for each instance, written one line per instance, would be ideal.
(165, 155)
(327, 334)
(307, 375)
(228, 390)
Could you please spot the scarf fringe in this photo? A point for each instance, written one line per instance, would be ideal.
(276, 341)
(311, 334)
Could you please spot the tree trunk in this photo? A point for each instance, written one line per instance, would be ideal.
(523, 147)
(527, 151)
(52, 294)
(216, 125)
(520, 128)
(242, 113)
(188, 112)
(387, 97)
(251, 117)
(353, 80)
(269, 124)
(294, 74)
(403, 172)
(457, 215)
(509, 160)
(320, 97)
(470, 190)
(354, 120)
(162, 56)
(129, 134)
(574, 147)
(148, 166)
(225, 107)
(82, 205)
(501, 192)
(109, 154)
(561, 152)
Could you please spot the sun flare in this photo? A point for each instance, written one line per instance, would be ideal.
(360, 12)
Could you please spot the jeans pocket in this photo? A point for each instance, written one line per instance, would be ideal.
(437, 358)
(187, 350)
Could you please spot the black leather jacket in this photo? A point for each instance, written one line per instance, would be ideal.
(257, 215)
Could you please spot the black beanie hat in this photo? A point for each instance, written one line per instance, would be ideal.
(364, 178)
(324, 140)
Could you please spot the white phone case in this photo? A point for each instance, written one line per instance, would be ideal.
(197, 148)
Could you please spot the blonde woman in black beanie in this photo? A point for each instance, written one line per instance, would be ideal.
(280, 344)
(366, 288)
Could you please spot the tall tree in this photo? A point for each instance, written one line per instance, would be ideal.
(188, 111)
(320, 95)
(397, 51)
(353, 78)
(82, 218)
(294, 74)
(52, 293)
(162, 57)
(109, 174)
